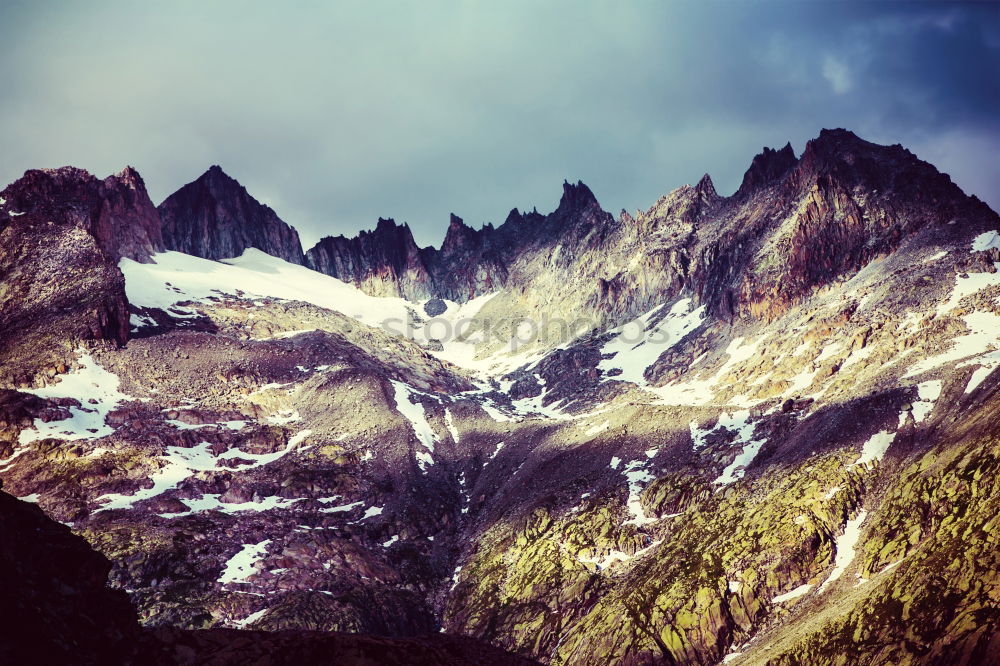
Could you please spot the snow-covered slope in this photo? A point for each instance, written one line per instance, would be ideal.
(174, 278)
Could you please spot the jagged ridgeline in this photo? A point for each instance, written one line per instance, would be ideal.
(757, 428)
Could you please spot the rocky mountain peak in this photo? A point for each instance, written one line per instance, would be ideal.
(384, 261)
(214, 217)
(386, 225)
(117, 211)
(389, 238)
(459, 237)
(221, 183)
(767, 167)
(706, 188)
(130, 177)
(576, 198)
(514, 217)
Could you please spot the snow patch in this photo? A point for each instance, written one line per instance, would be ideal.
(638, 344)
(241, 565)
(598, 428)
(928, 393)
(845, 545)
(740, 423)
(341, 508)
(249, 619)
(982, 372)
(966, 285)
(211, 502)
(637, 477)
(736, 469)
(794, 594)
(495, 452)
(989, 240)
(874, 449)
(614, 556)
(450, 424)
(97, 391)
(413, 411)
(182, 463)
(697, 392)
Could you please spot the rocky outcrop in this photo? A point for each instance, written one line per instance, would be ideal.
(215, 217)
(58, 609)
(767, 167)
(116, 211)
(845, 203)
(383, 262)
(57, 288)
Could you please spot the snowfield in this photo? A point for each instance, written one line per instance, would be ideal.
(97, 391)
(177, 278)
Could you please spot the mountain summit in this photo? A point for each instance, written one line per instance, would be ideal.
(216, 218)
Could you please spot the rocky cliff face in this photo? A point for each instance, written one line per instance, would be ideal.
(774, 440)
(216, 218)
(57, 289)
(469, 263)
(116, 211)
(383, 262)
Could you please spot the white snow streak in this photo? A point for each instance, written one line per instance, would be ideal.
(414, 413)
(794, 594)
(241, 565)
(638, 344)
(845, 548)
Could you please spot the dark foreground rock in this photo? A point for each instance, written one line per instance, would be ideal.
(58, 610)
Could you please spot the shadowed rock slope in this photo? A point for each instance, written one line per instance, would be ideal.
(216, 218)
(58, 610)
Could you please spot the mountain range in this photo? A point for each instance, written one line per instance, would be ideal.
(752, 429)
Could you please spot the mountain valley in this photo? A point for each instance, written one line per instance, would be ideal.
(752, 429)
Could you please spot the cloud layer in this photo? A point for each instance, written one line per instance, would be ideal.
(338, 114)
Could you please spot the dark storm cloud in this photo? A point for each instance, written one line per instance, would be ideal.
(337, 114)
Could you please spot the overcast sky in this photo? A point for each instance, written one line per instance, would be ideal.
(338, 113)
